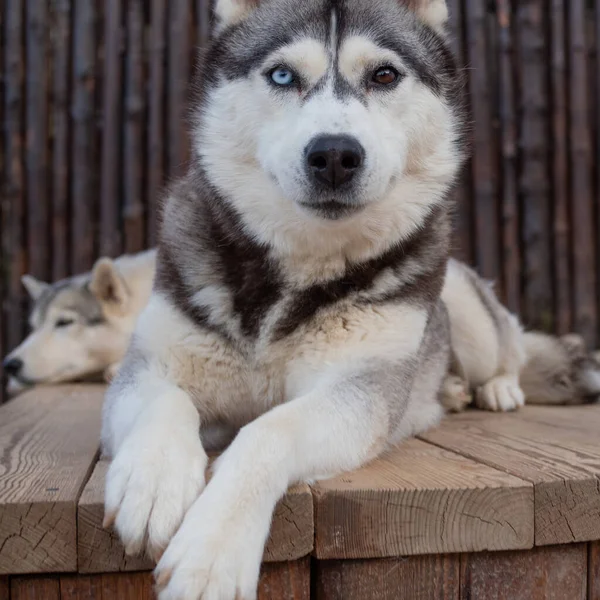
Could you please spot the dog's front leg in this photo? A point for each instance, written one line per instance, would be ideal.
(338, 426)
(151, 427)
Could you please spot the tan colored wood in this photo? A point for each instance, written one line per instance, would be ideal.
(35, 588)
(563, 464)
(435, 577)
(100, 550)
(48, 444)
(420, 499)
(549, 573)
(594, 571)
(571, 420)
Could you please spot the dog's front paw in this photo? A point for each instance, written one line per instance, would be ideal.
(500, 394)
(455, 395)
(153, 480)
(216, 554)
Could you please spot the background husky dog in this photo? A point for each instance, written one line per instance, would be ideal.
(298, 282)
(501, 363)
(81, 326)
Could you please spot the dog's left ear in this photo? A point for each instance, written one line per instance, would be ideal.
(432, 12)
(109, 287)
(574, 344)
(230, 12)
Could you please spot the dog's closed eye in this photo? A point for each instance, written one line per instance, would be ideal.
(60, 323)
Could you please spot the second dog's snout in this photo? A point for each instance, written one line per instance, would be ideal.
(12, 366)
(333, 160)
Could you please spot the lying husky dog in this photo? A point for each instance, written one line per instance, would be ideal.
(501, 363)
(553, 371)
(299, 273)
(81, 326)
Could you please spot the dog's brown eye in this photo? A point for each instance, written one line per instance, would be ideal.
(385, 76)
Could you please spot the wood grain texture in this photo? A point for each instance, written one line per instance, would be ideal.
(36, 93)
(34, 588)
(582, 195)
(100, 551)
(534, 184)
(13, 204)
(434, 577)
(560, 169)
(562, 464)
(420, 499)
(60, 37)
(84, 155)
(594, 571)
(48, 444)
(278, 581)
(112, 152)
(553, 573)
(133, 208)
(285, 581)
(511, 259)
(485, 159)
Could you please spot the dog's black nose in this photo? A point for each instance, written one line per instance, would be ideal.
(334, 159)
(12, 366)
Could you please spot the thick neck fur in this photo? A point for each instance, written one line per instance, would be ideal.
(215, 270)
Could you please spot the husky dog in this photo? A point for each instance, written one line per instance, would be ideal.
(81, 326)
(299, 273)
(505, 366)
(559, 370)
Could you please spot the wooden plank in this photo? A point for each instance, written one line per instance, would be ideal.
(560, 169)
(83, 148)
(552, 573)
(156, 116)
(571, 419)
(563, 466)
(435, 577)
(60, 36)
(100, 551)
(594, 571)
(34, 588)
(484, 163)
(48, 441)
(13, 206)
(582, 198)
(420, 499)
(285, 581)
(133, 208)
(36, 94)
(534, 168)
(112, 107)
(511, 259)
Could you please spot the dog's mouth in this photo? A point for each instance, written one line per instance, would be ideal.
(332, 210)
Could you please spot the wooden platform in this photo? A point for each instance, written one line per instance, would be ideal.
(484, 507)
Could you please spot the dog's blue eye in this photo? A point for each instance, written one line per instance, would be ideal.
(282, 76)
(63, 323)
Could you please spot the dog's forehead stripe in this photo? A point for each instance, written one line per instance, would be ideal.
(240, 50)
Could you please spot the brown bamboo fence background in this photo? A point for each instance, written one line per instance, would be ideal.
(92, 100)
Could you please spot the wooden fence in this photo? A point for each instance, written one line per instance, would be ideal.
(93, 96)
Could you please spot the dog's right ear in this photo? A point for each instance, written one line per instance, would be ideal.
(35, 288)
(230, 12)
(109, 287)
(432, 12)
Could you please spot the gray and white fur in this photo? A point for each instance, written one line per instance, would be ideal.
(300, 267)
